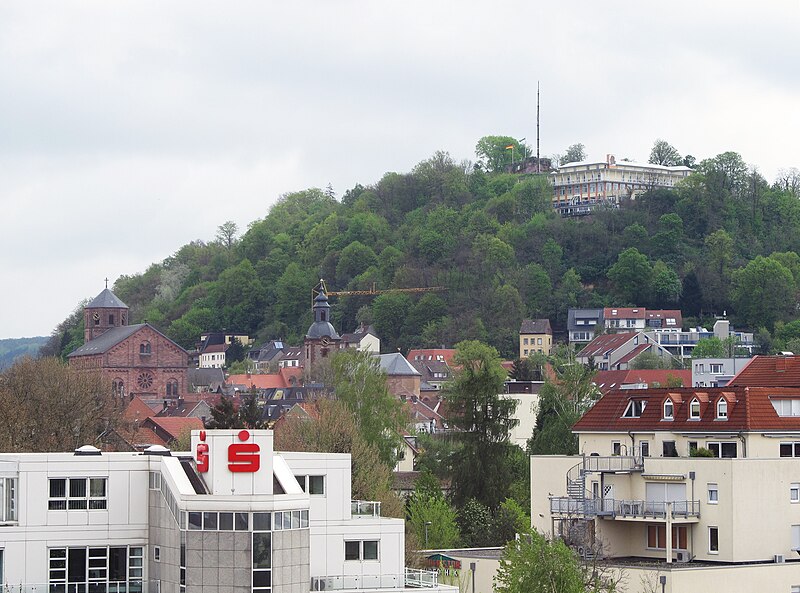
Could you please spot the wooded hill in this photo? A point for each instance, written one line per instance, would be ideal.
(724, 240)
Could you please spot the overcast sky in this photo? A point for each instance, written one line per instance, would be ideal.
(128, 129)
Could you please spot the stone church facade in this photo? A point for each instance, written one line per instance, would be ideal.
(137, 360)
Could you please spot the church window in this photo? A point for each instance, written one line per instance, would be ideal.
(144, 348)
(144, 380)
(111, 319)
(323, 315)
(172, 388)
(118, 387)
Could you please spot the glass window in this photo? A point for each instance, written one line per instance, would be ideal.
(791, 449)
(316, 484)
(669, 449)
(241, 522)
(616, 448)
(722, 409)
(262, 521)
(302, 481)
(794, 492)
(713, 540)
(195, 520)
(713, 494)
(210, 521)
(644, 448)
(694, 409)
(351, 550)
(262, 550)
(723, 450)
(370, 550)
(669, 410)
(226, 521)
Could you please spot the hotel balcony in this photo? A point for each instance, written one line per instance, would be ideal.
(365, 508)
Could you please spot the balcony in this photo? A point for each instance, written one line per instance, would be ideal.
(623, 509)
(413, 578)
(615, 463)
(109, 587)
(365, 508)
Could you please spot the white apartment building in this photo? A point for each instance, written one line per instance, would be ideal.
(230, 516)
(716, 372)
(578, 188)
(640, 497)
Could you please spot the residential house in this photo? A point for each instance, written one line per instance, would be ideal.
(526, 394)
(616, 352)
(435, 374)
(681, 343)
(535, 337)
(430, 354)
(579, 188)
(365, 338)
(640, 495)
(769, 371)
(715, 372)
(582, 324)
(213, 356)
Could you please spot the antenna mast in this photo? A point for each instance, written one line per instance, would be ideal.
(538, 162)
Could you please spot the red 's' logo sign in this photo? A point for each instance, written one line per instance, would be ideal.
(244, 457)
(202, 454)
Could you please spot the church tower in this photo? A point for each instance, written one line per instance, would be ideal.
(106, 311)
(321, 338)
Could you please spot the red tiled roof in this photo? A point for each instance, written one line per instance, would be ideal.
(749, 409)
(665, 314)
(624, 313)
(257, 381)
(609, 380)
(602, 344)
(769, 371)
(175, 425)
(637, 350)
(215, 348)
(138, 410)
(446, 353)
(289, 373)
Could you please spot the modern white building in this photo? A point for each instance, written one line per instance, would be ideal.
(232, 515)
(578, 188)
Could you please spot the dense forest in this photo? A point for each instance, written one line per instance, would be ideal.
(724, 240)
(13, 348)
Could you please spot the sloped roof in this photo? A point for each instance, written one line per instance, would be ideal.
(446, 354)
(610, 380)
(257, 381)
(749, 409)
(107, 340)
(395, 364)
(107, 300)
(175, 425)
(602, 344)
(535, 326)
(215, 348)
(637, 350)
(624, 313)
(205, 377)
(665, 314)
(137, 410)
(768, 371)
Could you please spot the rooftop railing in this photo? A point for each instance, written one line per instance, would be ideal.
(608, 507)
(413, 577)
(365, 508)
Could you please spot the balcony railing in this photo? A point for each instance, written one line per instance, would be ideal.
(608, 507)
(615, 463)
(106, 587)
(412, 578)
(365, 508)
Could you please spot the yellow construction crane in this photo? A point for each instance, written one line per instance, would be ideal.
(371, 292)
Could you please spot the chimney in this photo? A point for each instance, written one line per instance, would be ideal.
(166, 404)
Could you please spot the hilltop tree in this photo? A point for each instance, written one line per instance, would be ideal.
(493, 152)
(226, 234)
(664, 153)
(574, 154)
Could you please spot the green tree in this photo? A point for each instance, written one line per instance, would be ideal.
(485, 419)
(475, 522)
(433, 520)
(574, 154)
(763, 293)
(563, 399)
(389, 313)
(226, 234)
(665, 285)
(664, 153)
(533, 564)
(225, 415)
(493, 152)
(631, 276)
(361, 385)
(354, 260)
(710, 348)
(649, 360)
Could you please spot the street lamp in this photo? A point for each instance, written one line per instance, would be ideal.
(426, 533)
(663, 580)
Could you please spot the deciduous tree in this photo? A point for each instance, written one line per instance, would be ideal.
(664, 153)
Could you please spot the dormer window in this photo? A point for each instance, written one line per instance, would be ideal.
(635, 408)
(694, 409)
(722, 409)
(669, 410)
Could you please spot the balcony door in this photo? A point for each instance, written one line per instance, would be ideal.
(658, 493)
